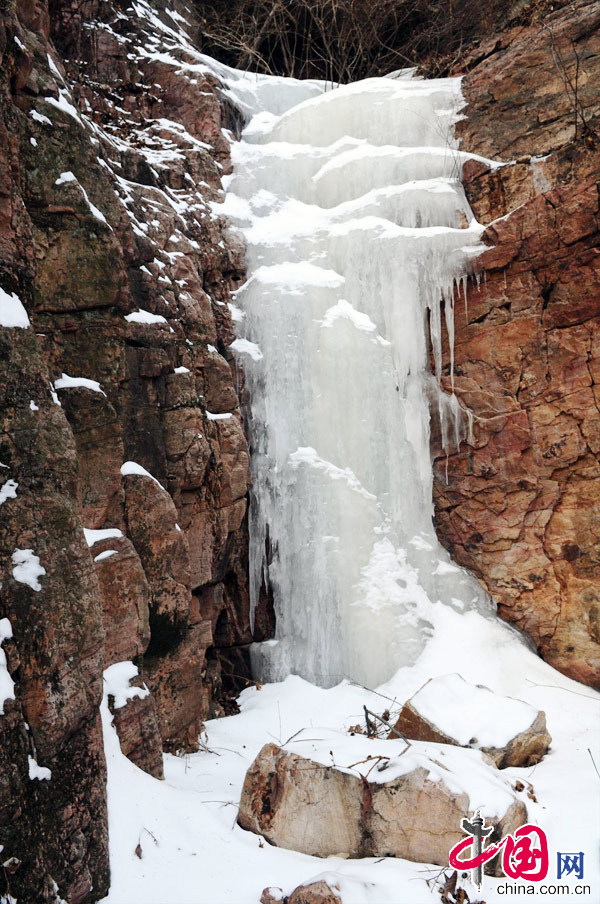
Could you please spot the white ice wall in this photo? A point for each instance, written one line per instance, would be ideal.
(351, 209)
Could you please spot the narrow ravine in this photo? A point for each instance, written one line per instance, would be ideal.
(359, 242)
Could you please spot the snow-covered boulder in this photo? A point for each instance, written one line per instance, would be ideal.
(449, 710)
(407, 806)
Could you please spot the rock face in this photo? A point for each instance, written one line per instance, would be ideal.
(305, 806)
(520, 505)
(447, 710)
(108, 239)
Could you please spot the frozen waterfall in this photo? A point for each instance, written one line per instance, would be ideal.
(358, 237)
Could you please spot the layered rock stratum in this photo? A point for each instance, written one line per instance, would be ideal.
(110, 159)
(519, 507)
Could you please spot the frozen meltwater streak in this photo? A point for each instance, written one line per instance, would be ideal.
(356, 228)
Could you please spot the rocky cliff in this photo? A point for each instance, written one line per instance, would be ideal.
(120, 417)
(520, 506)
(123, 463)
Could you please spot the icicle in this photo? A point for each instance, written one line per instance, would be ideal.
(348, 209)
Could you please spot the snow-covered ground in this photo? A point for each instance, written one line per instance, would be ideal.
(193, 851)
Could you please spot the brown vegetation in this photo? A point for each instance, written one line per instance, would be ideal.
(343, 40)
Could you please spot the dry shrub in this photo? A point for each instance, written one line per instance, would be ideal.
(343, 40)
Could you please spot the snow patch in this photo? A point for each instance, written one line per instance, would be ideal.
(117, 679)
(132, 467)
(145, 317)
(12, 312)
(41, 773)
(67, 382)
(8, 490)
(245, 347)
(27, 568)
(107, 533)
(7, 685)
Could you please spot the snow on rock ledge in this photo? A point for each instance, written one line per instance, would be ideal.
(448, 710)
(134, 717)
(406, 806)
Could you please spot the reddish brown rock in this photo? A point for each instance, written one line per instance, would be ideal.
(99, 444)
(518, 507)
(316, 893)
(162, 548)
(181, 681)
(82, 254)
(125, 599)
(139, 734)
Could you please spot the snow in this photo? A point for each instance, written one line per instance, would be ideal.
(33, 406)
(8, 490)
(67, 177)
(463, 711)
(7, 685)
(53, 66)
(12, 312)
(63, 104)
(245, 347)
(182, 370)
(96, 536)
(27, 568)
(144, 317)
(41, 773)
(132, 467)
(105, 555)
(117, 679)
(186, 825)
(237, 315)
(343, 308)
(39, 117)
(67, 382)
(218, 417)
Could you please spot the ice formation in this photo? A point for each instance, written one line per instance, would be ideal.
(358, 234)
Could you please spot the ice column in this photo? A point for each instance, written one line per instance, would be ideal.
(357, 228)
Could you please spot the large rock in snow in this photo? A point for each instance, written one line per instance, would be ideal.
(448, 710)
(407, 806)
(301, 805)
(319, 892)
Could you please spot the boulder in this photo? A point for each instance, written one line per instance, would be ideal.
(301, 805)
(319, 892)
(314, 893)
(448, 710)
(410, 806)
